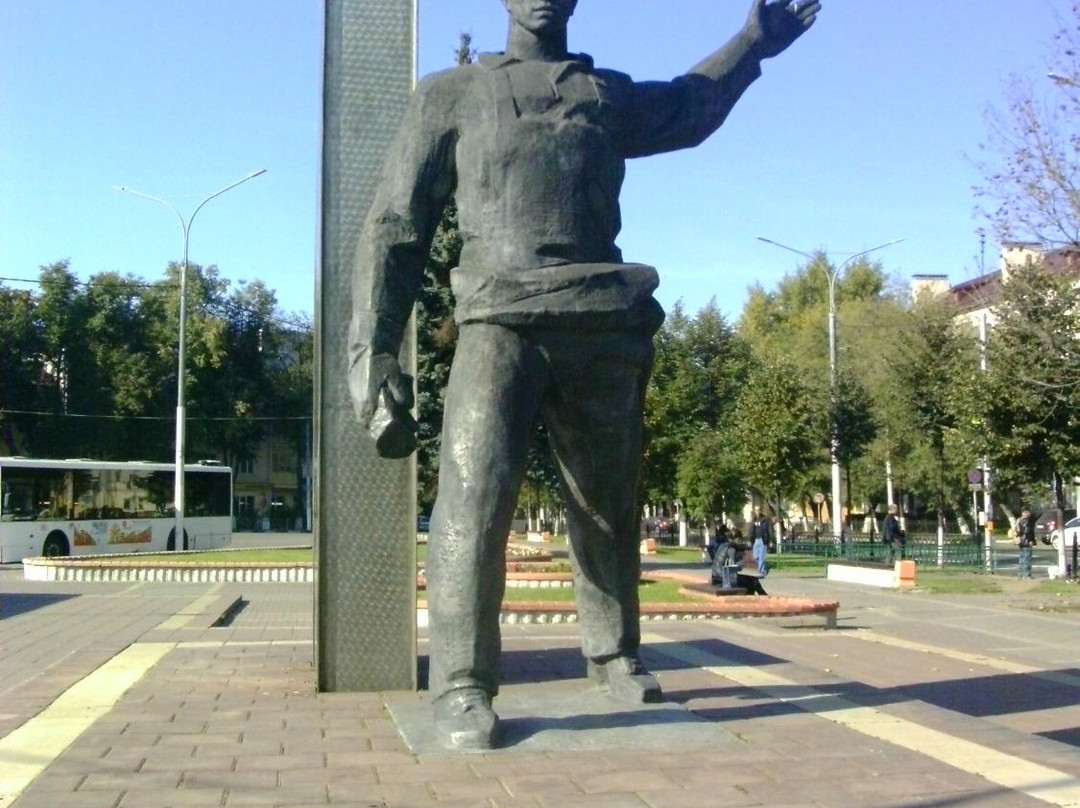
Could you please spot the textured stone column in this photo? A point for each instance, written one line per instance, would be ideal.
(365, 522)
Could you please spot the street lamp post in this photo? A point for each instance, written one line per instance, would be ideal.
(834, 440)
(185, 227)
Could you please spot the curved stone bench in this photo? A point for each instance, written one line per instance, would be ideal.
(732, 606)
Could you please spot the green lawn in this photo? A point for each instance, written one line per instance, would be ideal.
(956, 583)
(678, 555)
(1056, 587)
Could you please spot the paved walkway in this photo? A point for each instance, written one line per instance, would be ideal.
(129, 696)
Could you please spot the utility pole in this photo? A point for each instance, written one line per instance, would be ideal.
(834, 438)
(185, 229)
(988, 503)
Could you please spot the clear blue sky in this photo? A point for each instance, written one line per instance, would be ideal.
(863, 132)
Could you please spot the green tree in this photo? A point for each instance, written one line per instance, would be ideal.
(21, 366)
(698, 373)
(792, 322)
(853, 423)
(779, 427)
(936, 351)
(1027, 419)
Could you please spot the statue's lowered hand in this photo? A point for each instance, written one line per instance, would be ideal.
(383, 397)
(775, 25)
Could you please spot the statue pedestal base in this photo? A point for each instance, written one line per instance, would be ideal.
(535, 719)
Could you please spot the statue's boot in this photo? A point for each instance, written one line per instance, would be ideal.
(465, 720)
(626, 679)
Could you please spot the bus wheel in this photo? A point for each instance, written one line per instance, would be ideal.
(171, 544)
(56, 544)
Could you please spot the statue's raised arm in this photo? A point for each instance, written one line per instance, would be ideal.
(770, 29)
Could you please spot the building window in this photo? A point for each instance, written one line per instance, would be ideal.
(282, 462)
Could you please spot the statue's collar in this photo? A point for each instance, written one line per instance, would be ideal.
(497, 61)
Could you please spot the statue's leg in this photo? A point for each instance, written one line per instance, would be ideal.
(593, 412)
(491, 403)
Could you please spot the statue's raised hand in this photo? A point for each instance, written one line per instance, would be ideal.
(774, 25)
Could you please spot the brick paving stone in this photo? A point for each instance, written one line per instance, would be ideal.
(369, 758)
(425, 770)
(403, 794)
(590, 762)
(640, 780)
(717, 795)
(769, 792)
(351, 730)
(255, 747)
(299, 738)
(65, 766)
(707, 776)
(63, 782)
(35, 797)
(279, 762)
(165, 762)
(200, 739)
(305, 777)
(171, 798)
(348, 745)
(254, 726)
(627, 800)
(462, 789)
(264, 798)
(548, 785)
(231, 780)
(386, 743)
(113, 781)
(514, 802)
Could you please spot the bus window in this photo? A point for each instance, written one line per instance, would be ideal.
(17, 497)
(207, 493)
(53, 496)
(84, 485)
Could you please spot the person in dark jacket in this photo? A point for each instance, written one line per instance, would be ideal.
(1025, 537)
(760, 528)
(893, 535)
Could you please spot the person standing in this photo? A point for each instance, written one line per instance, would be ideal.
(893, 535)
(760, 528)
(1025, 537)
(751, 575)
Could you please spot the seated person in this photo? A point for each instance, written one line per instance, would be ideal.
(725, 563)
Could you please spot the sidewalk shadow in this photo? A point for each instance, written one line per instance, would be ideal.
(14, 604)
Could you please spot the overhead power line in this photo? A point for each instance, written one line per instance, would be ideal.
(169, 418)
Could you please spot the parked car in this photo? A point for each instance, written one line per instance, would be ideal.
(1072, 529)
(1046, 524)
(423, 524)
(657, 526)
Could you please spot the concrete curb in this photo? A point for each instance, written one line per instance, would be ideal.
(123, 568)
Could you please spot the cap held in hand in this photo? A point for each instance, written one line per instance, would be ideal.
(393, 428)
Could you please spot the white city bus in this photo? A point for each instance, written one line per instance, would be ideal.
(87, 507)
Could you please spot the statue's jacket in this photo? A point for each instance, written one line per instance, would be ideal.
(534, 154)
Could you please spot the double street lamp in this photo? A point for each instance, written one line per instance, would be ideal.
(185, 227)
(834, 440)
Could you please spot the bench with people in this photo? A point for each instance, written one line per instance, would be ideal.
(736, 568)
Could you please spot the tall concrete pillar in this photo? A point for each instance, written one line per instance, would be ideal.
(365, 507)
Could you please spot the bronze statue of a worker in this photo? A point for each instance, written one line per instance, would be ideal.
(554, 325)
